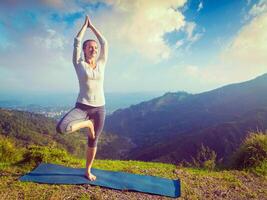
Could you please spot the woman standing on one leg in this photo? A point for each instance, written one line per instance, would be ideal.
(89, 111)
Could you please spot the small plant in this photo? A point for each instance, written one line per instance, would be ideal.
(205, 158)
(37, 154)
(8, 151)
(252, 153)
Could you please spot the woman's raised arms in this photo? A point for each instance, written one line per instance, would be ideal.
(103, 55)
(78, 39)
(77, 43)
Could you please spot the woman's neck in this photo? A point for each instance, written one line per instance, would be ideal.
(90, 61)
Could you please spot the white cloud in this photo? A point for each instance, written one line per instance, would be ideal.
(258, 8)
(191, 36)
(192, 70)
(243, 58)
(200, 6)
(134, 26)
(179, 43)
(54, 3)
(248, 49)
(53, 40)
(141, 25)
(189, 28)
(184, 77)
(39, 61)
(134, 29)
(196, 37)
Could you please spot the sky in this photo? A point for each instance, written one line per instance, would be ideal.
(154, 45)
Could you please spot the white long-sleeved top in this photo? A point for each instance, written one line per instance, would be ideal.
(91, 81)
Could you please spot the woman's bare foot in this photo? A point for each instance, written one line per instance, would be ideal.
(90, 176)
(91, 129)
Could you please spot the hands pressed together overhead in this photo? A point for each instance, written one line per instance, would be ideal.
(102, 40)
(87, 22)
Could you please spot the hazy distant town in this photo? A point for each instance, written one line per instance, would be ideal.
(52, 112)
(56, 106)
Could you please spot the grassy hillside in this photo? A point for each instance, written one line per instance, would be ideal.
(27, 128)
(196, 183)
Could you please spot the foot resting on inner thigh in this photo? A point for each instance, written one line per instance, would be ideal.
(91, 131)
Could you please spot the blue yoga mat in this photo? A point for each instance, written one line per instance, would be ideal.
(58, 174)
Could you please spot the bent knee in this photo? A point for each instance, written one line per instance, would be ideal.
(60, 128)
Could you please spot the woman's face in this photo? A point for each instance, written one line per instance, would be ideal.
(90, 49)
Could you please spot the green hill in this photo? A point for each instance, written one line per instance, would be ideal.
(196, 183)
(27, 128)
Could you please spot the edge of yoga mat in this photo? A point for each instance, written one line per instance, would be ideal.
(78, 172)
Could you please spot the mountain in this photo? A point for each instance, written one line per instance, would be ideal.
(172, 127)
(27, 128)
(223, 138)
(169, 128)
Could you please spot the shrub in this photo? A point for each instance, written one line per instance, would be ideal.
(37, 154)
(252, 152)
(205, 158)
(260, 169)
(8, 151)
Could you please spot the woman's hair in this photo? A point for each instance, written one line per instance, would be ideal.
(91, 40)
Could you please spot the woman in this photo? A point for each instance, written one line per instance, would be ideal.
(89, 111)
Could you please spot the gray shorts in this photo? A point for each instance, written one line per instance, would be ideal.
(82, 112)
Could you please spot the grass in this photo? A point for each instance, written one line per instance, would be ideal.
(195, 183)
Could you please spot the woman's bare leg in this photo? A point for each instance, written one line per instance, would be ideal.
(98, 119)
(90, 151)
(90, 155)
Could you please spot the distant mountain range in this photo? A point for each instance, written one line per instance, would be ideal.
(169, 128)
(172, 127)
